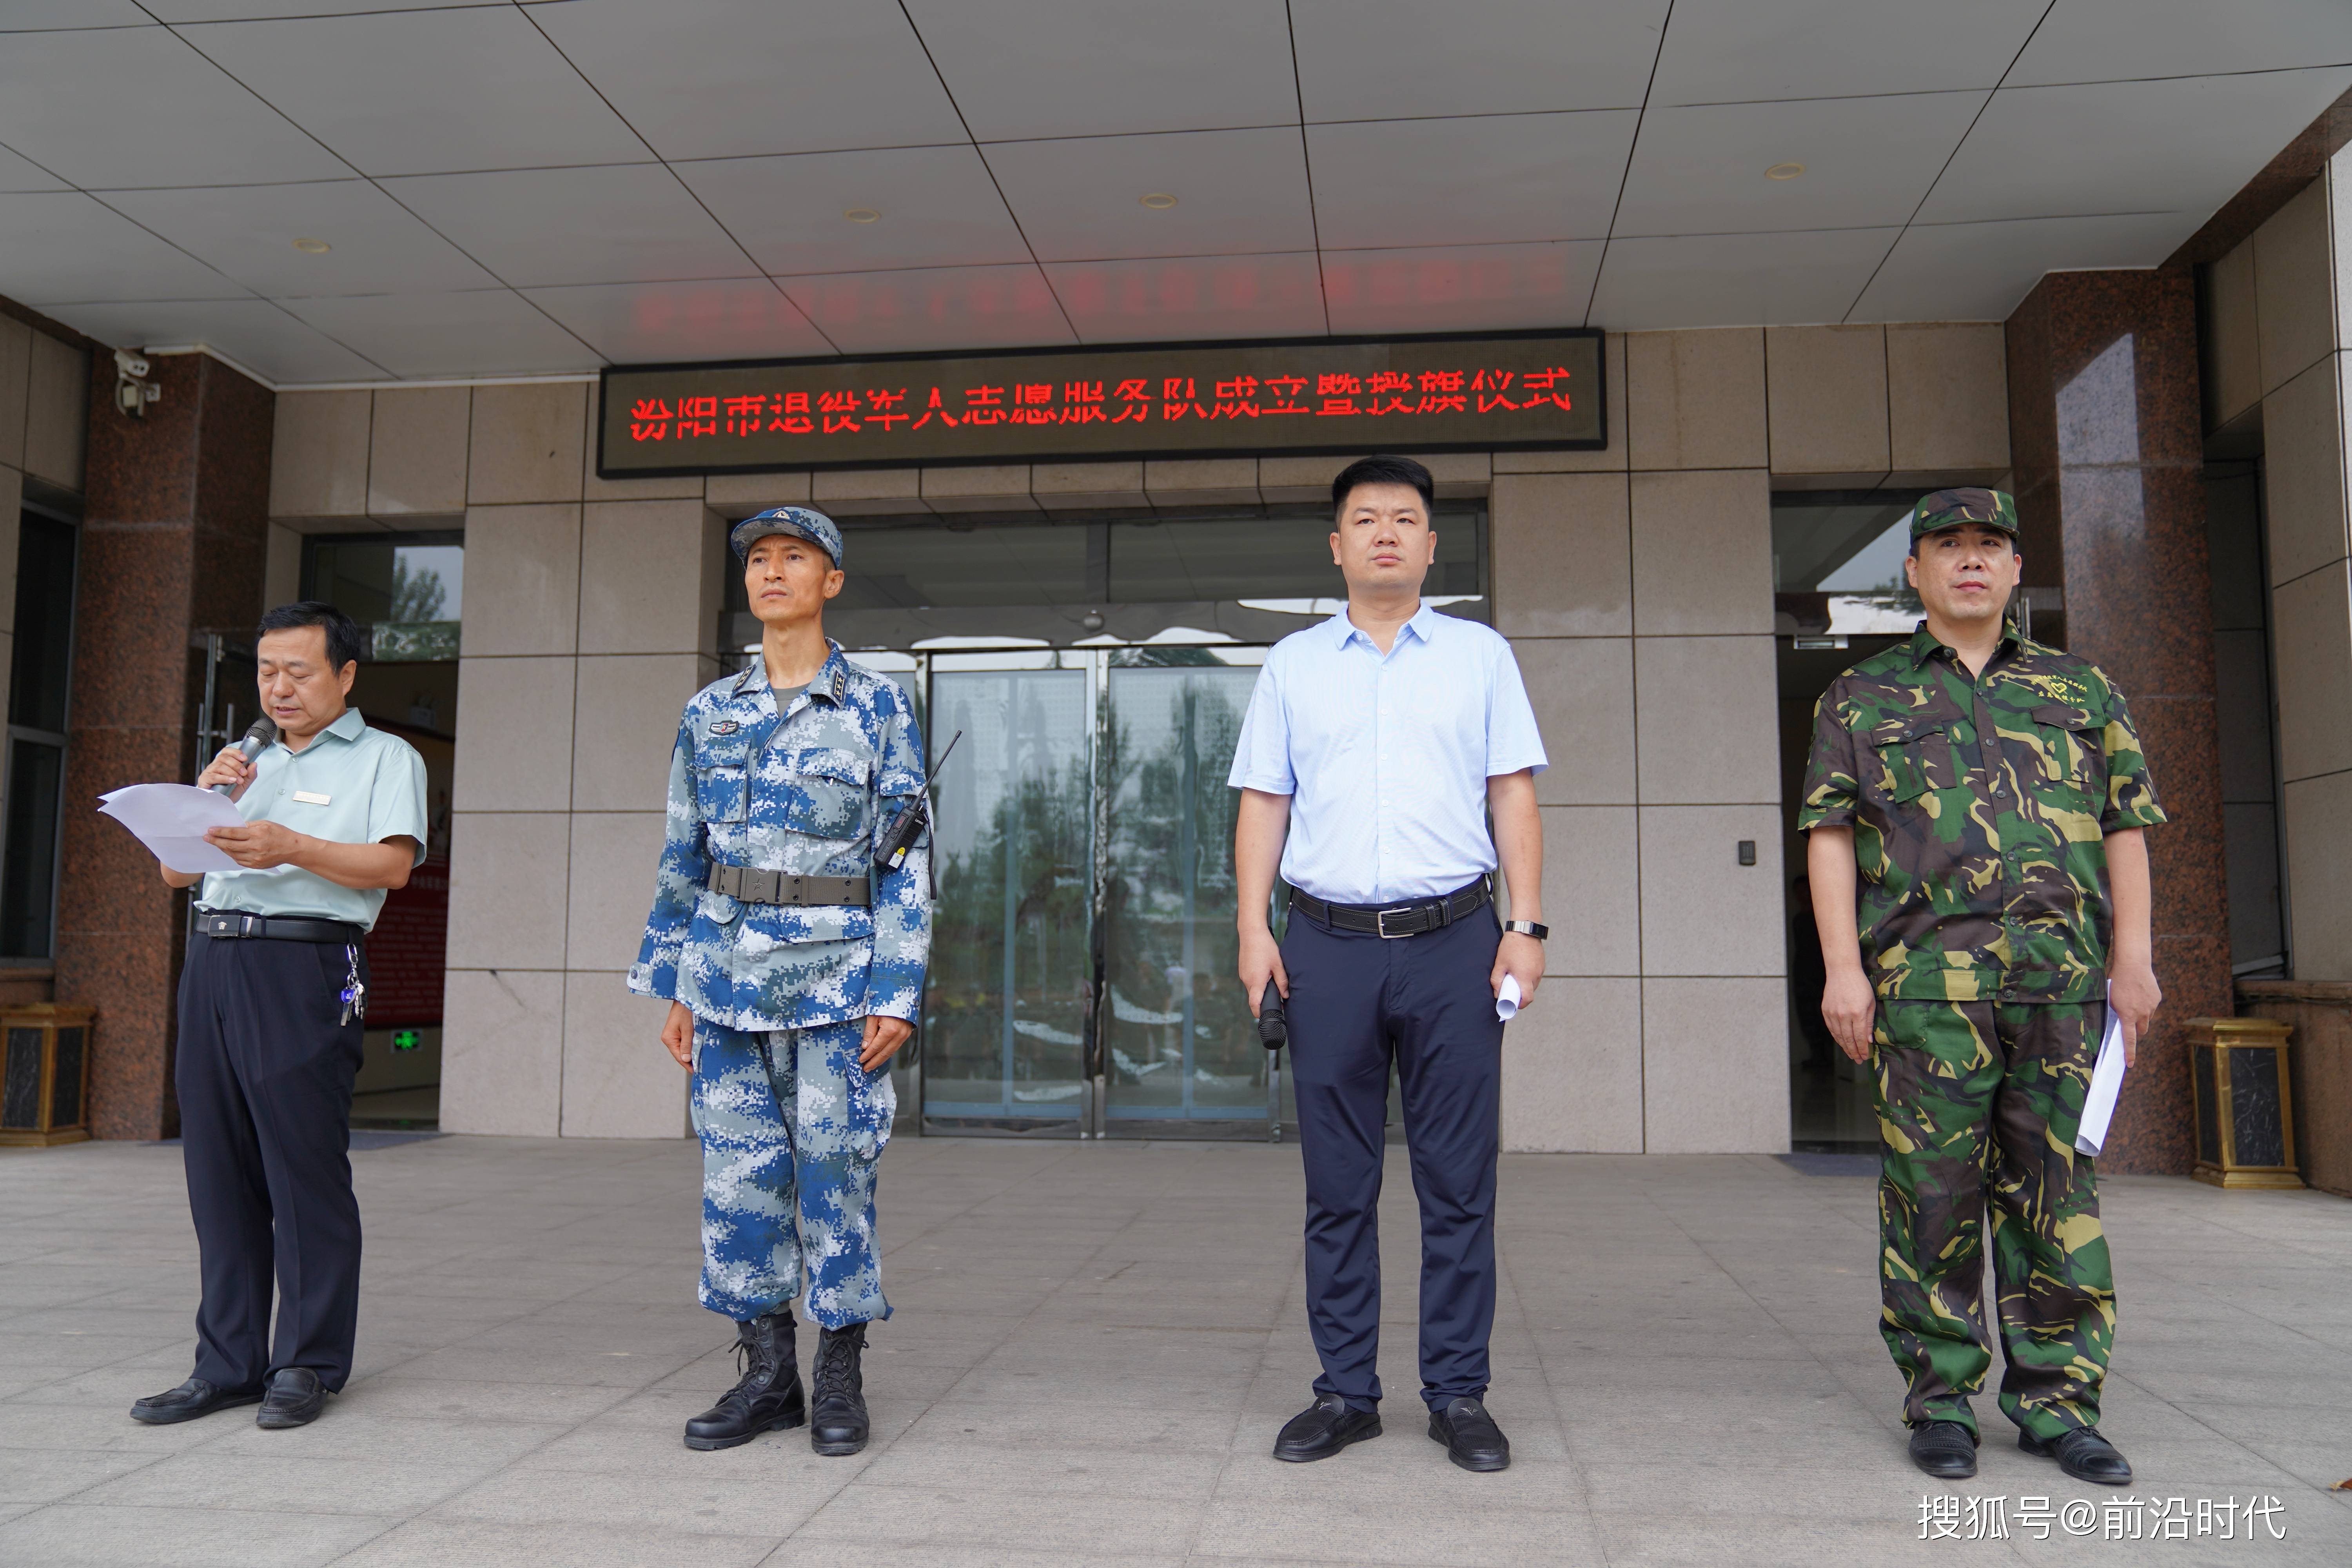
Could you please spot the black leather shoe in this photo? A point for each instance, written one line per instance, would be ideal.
(1945, 1449)
(295, 1398)
(1471, 1437)
(193, 1398)
(1323, 1428)
(2082, 1454)
(769, 1397)
(837, 1423)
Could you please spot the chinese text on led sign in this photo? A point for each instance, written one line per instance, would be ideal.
(1417, 394)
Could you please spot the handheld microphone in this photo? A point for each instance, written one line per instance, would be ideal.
(256, 741)
(1273, 1027)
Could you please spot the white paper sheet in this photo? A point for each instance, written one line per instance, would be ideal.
(2106, 1082)
(171, 819)
(1506, 1000)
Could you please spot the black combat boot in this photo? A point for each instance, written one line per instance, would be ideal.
(837, 1424)
(768, 1399)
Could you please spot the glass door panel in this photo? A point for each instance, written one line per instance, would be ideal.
(1178, 1042)
(1011, 987)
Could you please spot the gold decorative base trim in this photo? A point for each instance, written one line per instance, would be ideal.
(2276, 1180)
(12, 1138)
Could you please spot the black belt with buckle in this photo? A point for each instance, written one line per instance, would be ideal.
(1393, 920)
(233, 924)
(753, 885)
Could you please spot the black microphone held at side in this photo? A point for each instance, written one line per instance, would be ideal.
(1273, 1027)
(256, 741)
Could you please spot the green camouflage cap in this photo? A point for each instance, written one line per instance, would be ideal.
(1945, 509)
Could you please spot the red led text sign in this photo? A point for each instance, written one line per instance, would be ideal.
(1412, 394)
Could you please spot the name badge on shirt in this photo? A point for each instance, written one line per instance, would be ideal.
(306, 798)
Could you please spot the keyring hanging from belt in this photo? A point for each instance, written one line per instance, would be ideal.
(354, 997)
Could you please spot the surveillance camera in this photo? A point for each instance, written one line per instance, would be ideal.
(130, 363)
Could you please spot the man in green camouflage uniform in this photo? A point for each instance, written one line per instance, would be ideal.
(1975, 803)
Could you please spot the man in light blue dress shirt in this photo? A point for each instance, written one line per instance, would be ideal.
(272, 1004)
(1375, 748)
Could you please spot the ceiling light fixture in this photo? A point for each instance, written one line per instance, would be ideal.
(313, 247)
(1159, 201)
(863, 214)
(1784, 170)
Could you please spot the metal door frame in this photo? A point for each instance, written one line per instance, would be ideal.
(1093, 1121)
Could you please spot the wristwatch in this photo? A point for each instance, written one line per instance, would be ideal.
(1527, 928)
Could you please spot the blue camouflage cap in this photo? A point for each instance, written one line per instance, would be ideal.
(800, 522)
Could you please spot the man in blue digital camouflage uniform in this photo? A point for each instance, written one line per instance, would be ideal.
(793, 968)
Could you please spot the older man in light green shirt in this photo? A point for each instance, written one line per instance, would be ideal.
(272, 1003)
(347, 785)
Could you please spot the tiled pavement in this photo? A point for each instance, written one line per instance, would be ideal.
(1093, 1348)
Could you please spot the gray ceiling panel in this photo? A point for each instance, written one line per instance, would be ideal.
(631, 223)
(1098, 68)
(253, 332)
(936, 207)
(2112, 40)
(491, 331)
(1236, 191)
(2065, 152)
(407, 92)
(1192, 297)
(1460, 288)
(135, 106)
(1735, 280)
(19, 174)
(1500, 57)
(1743, 51)
(1979, 271)
(1468, 182)
(376, 247)
(932, 308)
(1866, 160)
(732, 318)
(719, 78)
(61, 246)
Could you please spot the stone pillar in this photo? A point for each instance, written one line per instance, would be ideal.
(2105, 433)
(172, 547)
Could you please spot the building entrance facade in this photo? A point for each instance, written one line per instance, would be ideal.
(1092, 673)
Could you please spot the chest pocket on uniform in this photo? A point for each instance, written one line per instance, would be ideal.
(823, 792)
(1915, 755)
(721, 786)
(2072, 763)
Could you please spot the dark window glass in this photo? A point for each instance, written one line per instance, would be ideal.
(45, 574)
(29, 869)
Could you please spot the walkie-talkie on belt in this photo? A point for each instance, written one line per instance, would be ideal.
(897, 841)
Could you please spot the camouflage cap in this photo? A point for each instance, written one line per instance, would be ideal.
(800, 522)
(1945, 508)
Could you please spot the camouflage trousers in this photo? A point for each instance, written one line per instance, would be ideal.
(1979, 1099)
(791, 1128)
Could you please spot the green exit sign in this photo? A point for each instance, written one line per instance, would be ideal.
(407, 1039)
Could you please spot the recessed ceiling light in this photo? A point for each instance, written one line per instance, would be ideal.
(313, 247)
(1784, 170)
(1159, 201)
(862, 215)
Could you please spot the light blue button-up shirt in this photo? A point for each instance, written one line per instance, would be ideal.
(1386, 757)
(351, 785)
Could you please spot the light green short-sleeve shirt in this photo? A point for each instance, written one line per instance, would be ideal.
(351, 785)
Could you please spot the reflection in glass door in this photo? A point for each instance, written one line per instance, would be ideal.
(1010, 993)
(1178, 1040)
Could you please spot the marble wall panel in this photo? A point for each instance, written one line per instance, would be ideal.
(502, 1052)
(1696, 399)
(1562, 556)
(417, 449)
(526, 443)
(1572, 1071)
(318, 455)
